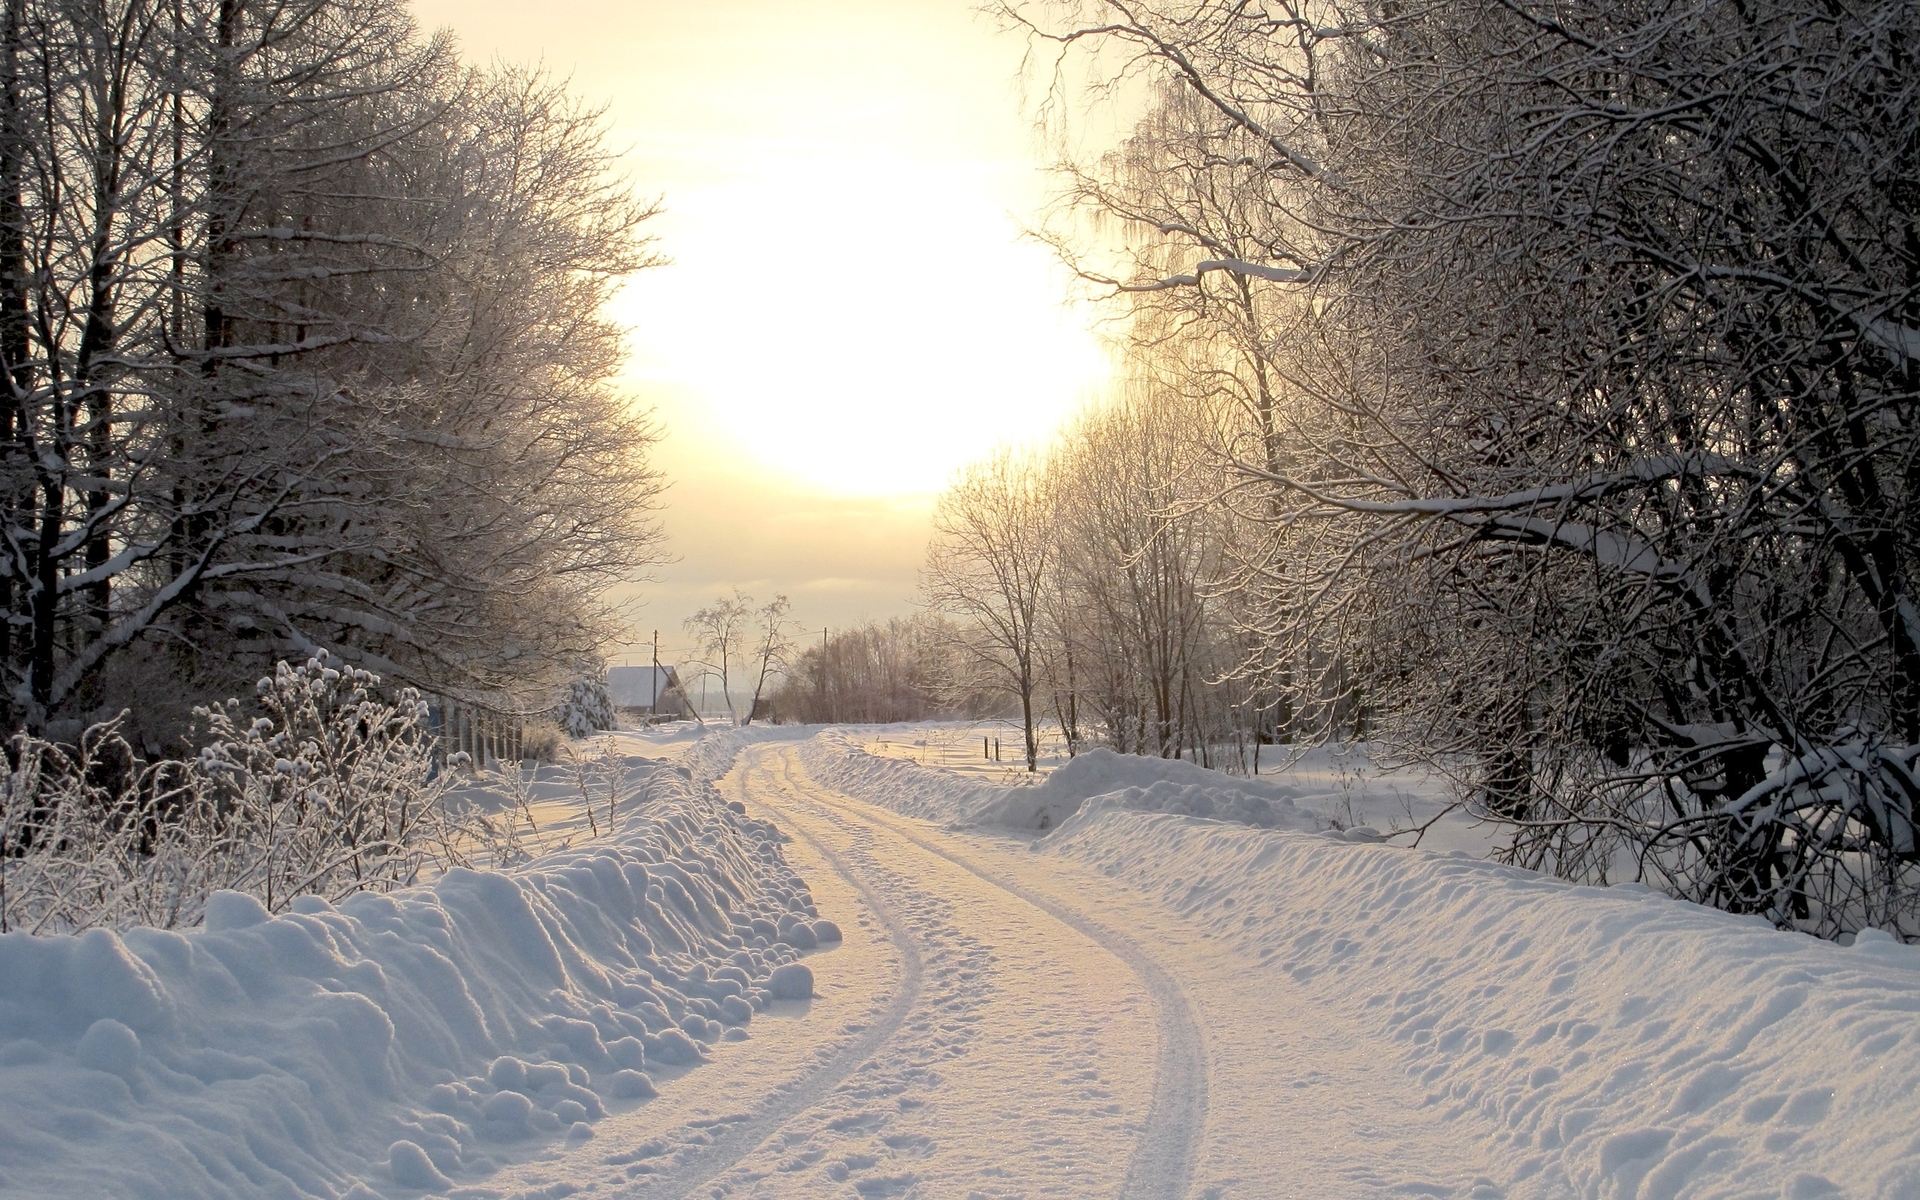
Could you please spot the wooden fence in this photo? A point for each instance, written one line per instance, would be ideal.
(484, 734)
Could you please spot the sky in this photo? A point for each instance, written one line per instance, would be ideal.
(850, 312)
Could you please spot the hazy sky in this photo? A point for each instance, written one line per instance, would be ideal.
(850, 313)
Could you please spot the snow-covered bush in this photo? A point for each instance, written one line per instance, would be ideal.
(541, 741)
(331, 790)
(587, 708)
(1826, 842)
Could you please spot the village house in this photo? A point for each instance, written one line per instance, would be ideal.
(647, 693)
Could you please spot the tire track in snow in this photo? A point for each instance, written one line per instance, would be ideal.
(1167, 1151)
(741, 1139)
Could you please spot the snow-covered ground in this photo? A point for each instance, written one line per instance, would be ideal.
(966, 747)
(1480, 1029)
(1331, 787)
(1134, 979)
(400, 1043)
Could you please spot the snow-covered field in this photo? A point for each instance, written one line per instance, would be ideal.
(1321, 788)
(1136, 978)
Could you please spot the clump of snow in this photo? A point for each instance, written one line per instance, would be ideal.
(793, 981)
(1198, 800)
(1100, 780)
(407, 1040)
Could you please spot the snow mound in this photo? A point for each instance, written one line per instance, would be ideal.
(1198, 800)
(1100, 780)
(1608, 1041)
(1096, 780)
(405, 1040)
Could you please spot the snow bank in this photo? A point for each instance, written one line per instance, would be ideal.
(834, 757)
(1096, 780)
(713, 755)
(395, 1042)
(1100, 780)
(1614, 1041)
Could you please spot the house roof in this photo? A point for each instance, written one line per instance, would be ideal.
(640, 687)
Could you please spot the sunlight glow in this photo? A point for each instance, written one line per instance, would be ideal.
(881, 326)
(849, 314)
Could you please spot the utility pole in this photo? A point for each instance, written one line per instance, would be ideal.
(655, 685)
(826, 697)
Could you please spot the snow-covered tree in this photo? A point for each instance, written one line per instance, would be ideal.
(586, 707)
(303, 347)
(1574, 354)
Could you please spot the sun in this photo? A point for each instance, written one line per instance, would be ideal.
(864, 325)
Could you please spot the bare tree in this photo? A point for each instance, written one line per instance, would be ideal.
(1135, 553)
(772, 644)
(720, 629)
(991, 554)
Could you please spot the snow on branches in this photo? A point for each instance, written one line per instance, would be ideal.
(587, 707)
(1565, 391)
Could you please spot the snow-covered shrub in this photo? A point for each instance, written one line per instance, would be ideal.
(1826, 842)
(334, 786)
(331, 790)
(84, 840)
(587, 708)
(541, 741)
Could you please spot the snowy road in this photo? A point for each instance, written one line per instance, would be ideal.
(1188, 988)
(1000, 1025)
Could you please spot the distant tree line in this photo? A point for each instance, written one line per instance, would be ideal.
(302, 338)
(904, 670)
(1533, 390)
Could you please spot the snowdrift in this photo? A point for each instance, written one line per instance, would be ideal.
(1100, 777)
(1615, 1042)
(396, 1042)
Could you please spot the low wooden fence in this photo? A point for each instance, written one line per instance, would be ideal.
(486, 735)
